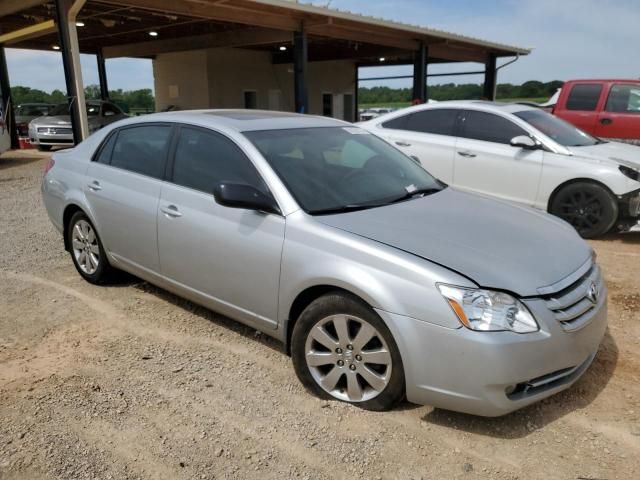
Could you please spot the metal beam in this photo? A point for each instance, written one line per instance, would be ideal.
(490, 78)
(234, 38)
(5, 91)
(9, 7)
(27, 33)
(66, 12)
(102, 77)
(300, 55)
(419, 75)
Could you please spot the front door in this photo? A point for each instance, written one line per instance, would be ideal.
(123, 189)
(486, 163)
(229, 258)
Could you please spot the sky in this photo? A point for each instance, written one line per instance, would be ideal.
(570, 38)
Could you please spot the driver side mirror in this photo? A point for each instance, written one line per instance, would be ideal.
(239, 195)
(525, 142)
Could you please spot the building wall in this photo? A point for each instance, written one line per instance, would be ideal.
(218, 78)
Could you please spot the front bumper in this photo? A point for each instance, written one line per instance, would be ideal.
(49, 137)
(494, 373)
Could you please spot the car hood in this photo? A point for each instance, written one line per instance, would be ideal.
(59, 120)
(495, 244)
(620, 153)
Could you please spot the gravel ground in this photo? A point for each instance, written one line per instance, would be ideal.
(130, 382)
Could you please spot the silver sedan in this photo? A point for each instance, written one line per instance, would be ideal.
(381, 281)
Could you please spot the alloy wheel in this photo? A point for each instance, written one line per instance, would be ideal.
(581, 209)
(85, 247)
(348, 358)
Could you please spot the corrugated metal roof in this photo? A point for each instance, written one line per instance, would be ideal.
(381, 22)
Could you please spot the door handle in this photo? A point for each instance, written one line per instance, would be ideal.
(171, 211)
(606, 121)
(467, 154)
(95, 186)
(403, 144)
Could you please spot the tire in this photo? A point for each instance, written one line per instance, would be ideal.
(45, 148)
(589, 207)
(343, 369)
(82, 234)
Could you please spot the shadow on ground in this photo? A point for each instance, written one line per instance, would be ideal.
(523, 422)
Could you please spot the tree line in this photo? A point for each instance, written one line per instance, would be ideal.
(451, 91)
(128, 100)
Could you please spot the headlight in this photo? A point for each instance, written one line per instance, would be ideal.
(630, 172)
(488, 311)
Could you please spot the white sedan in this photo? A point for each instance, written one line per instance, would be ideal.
(524, 155)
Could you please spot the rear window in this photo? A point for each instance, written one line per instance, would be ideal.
(142, 149)
(584, 97)
(439, 121)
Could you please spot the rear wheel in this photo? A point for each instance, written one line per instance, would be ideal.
(589, 207)
(341, 349)
(86, 250)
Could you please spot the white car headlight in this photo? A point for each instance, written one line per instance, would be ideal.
(488, 311)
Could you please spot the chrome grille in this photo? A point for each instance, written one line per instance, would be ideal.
(575, 305)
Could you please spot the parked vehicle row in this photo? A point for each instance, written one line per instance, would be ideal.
(524, 155)
(380, 280)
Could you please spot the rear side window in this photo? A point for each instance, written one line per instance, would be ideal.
(205, 158)
(104, 155)
(489, 128)
(624, 99)
(584, 97)
(399, 123)
(142, 149)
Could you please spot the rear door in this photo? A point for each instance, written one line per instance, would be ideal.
(228, 257)
(582, 105)
(427, 135)
(620, 118)
(123, 188)
(486, 163)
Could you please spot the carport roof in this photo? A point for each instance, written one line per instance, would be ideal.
(121, 28)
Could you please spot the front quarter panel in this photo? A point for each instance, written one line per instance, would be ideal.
(559, 169)
(385, 277)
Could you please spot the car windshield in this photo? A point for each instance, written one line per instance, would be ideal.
(339, 169)
(93, 109)
(32, 110)
(560, 131)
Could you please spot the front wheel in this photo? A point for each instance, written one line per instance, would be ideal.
(589, 207)
(341, 349)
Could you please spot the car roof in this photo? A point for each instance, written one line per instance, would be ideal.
(244, 120)
(484, 105)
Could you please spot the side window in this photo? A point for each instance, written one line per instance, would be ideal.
(104, 154)
(584, 97)
(440, 121)
(142, 149)
(624, 99)
(489, 127)
(399, 123)
(204, 158)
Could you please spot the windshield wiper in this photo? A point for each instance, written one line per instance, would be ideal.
(345, 208)
(419, 193)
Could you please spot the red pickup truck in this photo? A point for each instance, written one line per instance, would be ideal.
(607, 109)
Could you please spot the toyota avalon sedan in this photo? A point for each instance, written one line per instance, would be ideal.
(381, 281)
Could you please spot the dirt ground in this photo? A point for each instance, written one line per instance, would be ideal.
(130, 382)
